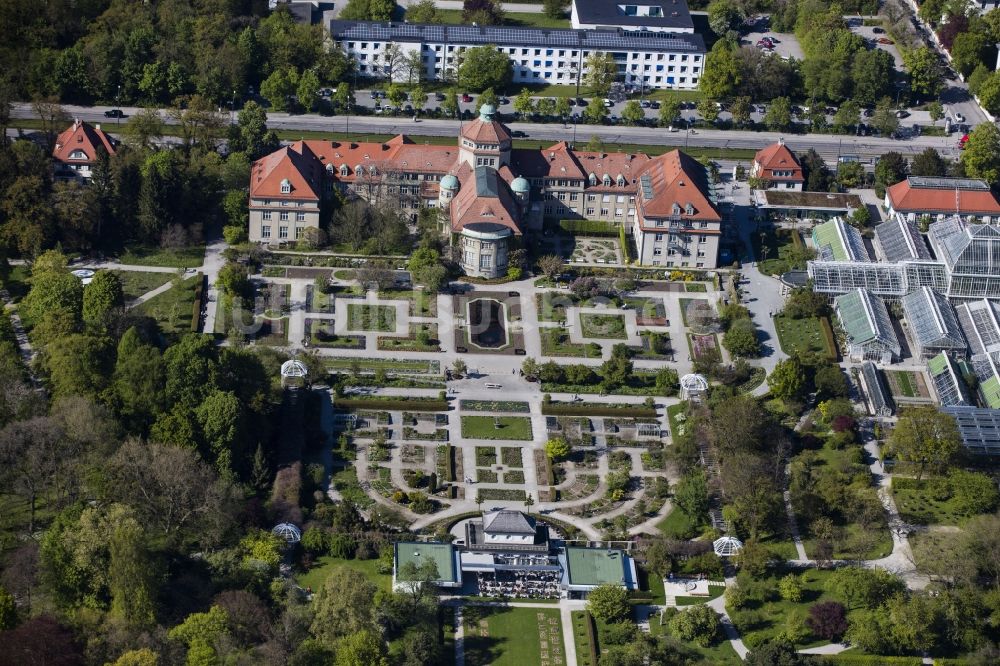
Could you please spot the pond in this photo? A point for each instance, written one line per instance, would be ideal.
(487, 327)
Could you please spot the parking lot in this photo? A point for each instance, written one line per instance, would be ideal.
(785, 44)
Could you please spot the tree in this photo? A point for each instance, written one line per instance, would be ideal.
(32, 457)
(927, 437)
(725, 16)
(601, 71)
(368, 10)
(307, 90)
(872, 73)
(670, 110)
(485, 67)
(279, 87)
(864, 588)
(54, 290)
(550, 264)
(102, 300)
(633, 113)
(563, 108)
(741, 339)
(778, 117)
(884, 118)
(926, 76)
(786, 380)
(773, 653)
(828, 620)
(557, 448)
(143, 129)
(595, 113)
(419, 98)
(708, 109)
(609, 603)
(482, 12)
(40, 640)
(981, 157)
(973, 492)
(740, 110)
(830, 382)
(554, 9)
(846, 116)
(363, 648)
(699, 624)
(131, 574)
(722, 74)
(890, 169)
(615, 371)
(850, 174)
(343, 606)
(423, 11)
(691, 495)
(929, 163)
(8, 610)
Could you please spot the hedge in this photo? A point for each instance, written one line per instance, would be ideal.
(869, 660)
(589, 227)
(451, 463)
(196, 306)
(626, 254)
(829, 339)
(591, 636)
(400, 404)
(583, 409)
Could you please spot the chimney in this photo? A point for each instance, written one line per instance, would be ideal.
(781, 140)
(98, 126)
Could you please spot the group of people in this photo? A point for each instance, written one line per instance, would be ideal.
(519, 584)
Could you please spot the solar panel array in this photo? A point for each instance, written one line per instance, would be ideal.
(933, 183)
(467, 34)
(647, 186)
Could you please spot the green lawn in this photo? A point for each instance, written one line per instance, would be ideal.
(610, 326)
(767, 619)
(917, 504)
(678, 526)
(422, 303)
(511, 19)
(799, 336)
(721, 652)
(412, 366)
(136, 283)
(173, 309)
(784, 251)
(364, 317)
(186, 257)
(517, 428)
(512, 636)
(581, 638)
(16, 283)
(714, 591)
(325, 565)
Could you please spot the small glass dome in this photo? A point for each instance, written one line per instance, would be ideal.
(520, 185)
(449, 182)
(486, 112)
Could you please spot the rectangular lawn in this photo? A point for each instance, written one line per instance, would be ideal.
(512, 636)
(485, 427)
(362, 317)
(799, 336)
(603, 326)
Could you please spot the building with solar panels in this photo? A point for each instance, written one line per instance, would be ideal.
(865, 320)
(654, 60)
(933, 324)
(979, 428)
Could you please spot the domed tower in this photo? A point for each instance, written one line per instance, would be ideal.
(522, 191)
(485, 141)
(447, 190)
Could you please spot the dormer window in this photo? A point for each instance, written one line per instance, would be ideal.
(344, 171)
(593, 179)
(359, 170)
(689, 209)
(78, 155)
(676, 209)
(607, 180)
(621, 181)
(286, 186)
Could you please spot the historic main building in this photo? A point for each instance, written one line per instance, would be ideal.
(495, 193)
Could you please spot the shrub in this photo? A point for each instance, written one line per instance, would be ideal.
(609, 603)
(974, 492)
(699, 624)
(828, 619)
(790, 588)
(315, 541)
(589, 227)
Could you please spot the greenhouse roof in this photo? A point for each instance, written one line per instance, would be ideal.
(948, 382)
(932, 319)
(901, 240)
(865, 319)
(837, 241)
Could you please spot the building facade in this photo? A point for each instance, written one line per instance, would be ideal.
(493, 193)
(77, 150)
(934, 199)
(778, 168)
(655, 60)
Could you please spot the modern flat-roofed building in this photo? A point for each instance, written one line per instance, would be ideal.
(865, 320)
(937, 198)
(655, 60)
(646, 16)
(587, 568)
(444, 556)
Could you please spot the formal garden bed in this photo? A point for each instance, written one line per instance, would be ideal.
(436, 435)
(510, 456)
(494, 406)
(504, 494)
(422, 303)
(496, 427)
(604, 326)
(366, 317)
(556, 342)
(321, 333)
(421, 338)
(396, 365)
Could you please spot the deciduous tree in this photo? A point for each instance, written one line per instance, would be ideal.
(926, 437)
(608, 603)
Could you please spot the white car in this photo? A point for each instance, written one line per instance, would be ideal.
(959, 118)
(672, 129)
(608, 103)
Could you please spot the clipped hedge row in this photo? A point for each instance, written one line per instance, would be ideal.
(583, 409)
(869, 660)
(626, 253)
(591, 636)
(451, 463)
(589, 227)
(400, 404)
(198, 301)
(829, 339)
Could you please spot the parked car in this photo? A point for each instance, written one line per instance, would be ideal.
(439, 96)
(654, 104)
(878, 31)
(581, 102)
(608, 103)
(114, 113)
(519, 134)
(503, 101)
(672, 129)
(467, 98)
(376, 94)
(645, 104)
(963, 141)
(902, 113)
(959, 118)
(885, 40)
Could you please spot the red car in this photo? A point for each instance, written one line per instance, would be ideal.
(963, 141)
(466, 97)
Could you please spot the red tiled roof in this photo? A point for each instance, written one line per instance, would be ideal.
(777, 157)
(556, 161)
(677, 178)
(908, 199)
(628, 165)
(485, 131)
(83, 137)
(296, 164)
(484, 197)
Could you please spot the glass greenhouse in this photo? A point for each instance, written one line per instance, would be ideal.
(933, 323)
(865, 319)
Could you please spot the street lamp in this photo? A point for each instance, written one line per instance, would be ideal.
(232, 110)
(118, 95)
